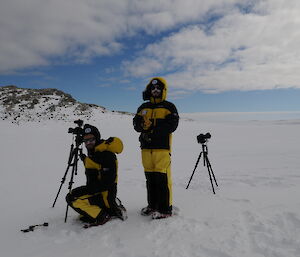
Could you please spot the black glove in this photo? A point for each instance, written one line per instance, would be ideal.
(82, 155)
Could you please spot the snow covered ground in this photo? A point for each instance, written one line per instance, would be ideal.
(255, 212)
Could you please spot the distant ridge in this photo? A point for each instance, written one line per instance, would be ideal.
(23, 104)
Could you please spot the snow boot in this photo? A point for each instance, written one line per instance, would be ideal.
(121, 211)
(147, 211)
(158, 215)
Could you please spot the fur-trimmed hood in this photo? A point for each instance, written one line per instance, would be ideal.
(147, 92)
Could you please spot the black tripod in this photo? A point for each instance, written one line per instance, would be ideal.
(72, 162)
(206, 162)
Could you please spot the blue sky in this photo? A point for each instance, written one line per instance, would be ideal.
(217, 55)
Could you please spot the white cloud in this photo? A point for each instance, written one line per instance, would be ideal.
(242, 51)
(104, 85)
(34, 32)
(177, 94)
(156, 15)
(132, 88)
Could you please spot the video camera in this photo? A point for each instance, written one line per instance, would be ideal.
(77, 131)
(203, 138)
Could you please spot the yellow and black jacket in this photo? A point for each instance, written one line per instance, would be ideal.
(101, 166)
(156, 119)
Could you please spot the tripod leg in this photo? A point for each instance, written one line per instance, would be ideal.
(209, 173)
(211, 170)
(71, 155)
(74, 171)
(62, 182)
(194, 170)
(66, 215)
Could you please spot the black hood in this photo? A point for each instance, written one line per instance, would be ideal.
(89, 129)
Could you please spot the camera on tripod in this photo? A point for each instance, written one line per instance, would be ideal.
(77, 131)
(203, 138)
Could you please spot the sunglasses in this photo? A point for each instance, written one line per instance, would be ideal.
(156, 87)
(89, 140)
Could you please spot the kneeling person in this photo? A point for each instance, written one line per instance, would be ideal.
(97, 201)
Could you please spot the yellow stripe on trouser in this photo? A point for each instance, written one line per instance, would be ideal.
(83, 204)
(158, 160)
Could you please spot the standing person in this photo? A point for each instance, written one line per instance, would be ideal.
(156, 119)
(97, 201)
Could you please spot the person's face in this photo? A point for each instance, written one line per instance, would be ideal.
(156, 91)
(89, 141)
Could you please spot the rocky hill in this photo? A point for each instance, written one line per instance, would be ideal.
(21, 104)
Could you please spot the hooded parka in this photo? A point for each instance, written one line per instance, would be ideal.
(156, 119)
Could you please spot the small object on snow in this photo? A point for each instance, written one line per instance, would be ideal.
(32, 227)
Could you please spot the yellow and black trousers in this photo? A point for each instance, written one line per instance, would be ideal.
(157, 166)
(93, 206)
